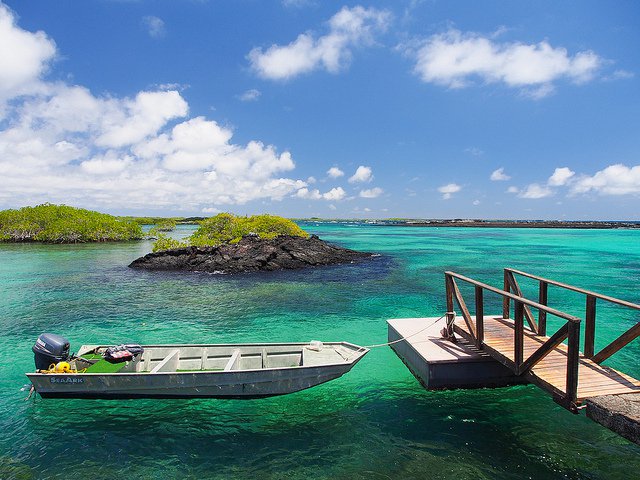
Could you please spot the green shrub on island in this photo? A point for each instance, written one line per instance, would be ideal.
(63, 224)
(167, 243)
(141, 220)
(228, 228)
(166, 225)
(157, 220)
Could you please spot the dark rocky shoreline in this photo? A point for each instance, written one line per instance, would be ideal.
(251, 254)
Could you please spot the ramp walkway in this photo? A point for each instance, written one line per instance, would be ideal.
(568, 374)
(550, 372)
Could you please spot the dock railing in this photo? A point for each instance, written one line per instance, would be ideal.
(519, 365)
(511, 285)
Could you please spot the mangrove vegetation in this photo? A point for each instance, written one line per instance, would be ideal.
(166, 225)
(63, 224)
(228, 228)
(158, 220)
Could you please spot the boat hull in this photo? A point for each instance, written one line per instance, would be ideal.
(234, 384)
(185, 384)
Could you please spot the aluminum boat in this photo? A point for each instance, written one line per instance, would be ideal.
(192, 371)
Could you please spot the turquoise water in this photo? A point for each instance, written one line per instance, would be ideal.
(375, 422)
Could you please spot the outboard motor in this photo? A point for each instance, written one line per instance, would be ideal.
(50, 349)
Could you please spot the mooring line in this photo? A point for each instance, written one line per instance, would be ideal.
(409, 336)
(400, 339)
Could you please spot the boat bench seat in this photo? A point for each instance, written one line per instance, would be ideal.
(234, 361)
(168, 363)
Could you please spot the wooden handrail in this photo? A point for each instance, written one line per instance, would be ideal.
(570, 330)
(623, 340)
(546, 348)
(607, 298)
(512, 296)
(463, 306)
(510, 279)
(590, 314)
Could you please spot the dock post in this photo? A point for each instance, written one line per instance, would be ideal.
(543, 298)
(573, 357)
(518, 332)
(479, 317)
(590, 327)
(506, 305)
(450, 315)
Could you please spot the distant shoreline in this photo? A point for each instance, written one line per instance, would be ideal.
(577, 224)
(600, 225)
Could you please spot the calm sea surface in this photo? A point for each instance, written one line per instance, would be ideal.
(375, 422)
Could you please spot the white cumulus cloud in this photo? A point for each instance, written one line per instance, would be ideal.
(535, 191)
(362, 174)
(349, 28)
(106, 164)
(560, 177)
(371, 193)
(310, 194)
(132, 120)
(499, 175)
(211, 210)
(61, 143)
(335, 194)
(449, 189)
(24, 56)
(335, 172)
(615, 179)
(454, 59)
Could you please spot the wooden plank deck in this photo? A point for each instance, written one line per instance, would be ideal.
(551, 372)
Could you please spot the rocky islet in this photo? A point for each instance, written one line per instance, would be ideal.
(251, 254)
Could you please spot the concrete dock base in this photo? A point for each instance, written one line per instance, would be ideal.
(440, 364)
(619, 413)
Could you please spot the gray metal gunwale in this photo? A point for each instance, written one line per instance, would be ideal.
(200, 372)
(359, 352)
(285, 344)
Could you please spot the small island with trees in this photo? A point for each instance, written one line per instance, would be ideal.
(230, 244)
(222, 244)
(50, 223)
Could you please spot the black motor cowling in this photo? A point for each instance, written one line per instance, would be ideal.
(50, 348)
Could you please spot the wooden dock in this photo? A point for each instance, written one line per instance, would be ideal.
(550, 373)
(574, 377)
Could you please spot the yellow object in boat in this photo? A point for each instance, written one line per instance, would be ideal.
(63, 367)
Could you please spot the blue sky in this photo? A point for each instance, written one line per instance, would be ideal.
(430, 109)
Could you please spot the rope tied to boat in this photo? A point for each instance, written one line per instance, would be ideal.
(62, 367)
(32, 389)
(453, 314)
